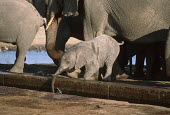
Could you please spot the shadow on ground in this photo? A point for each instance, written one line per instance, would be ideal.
(36, 69)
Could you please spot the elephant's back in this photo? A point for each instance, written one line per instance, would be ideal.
(14, 16)
(138, 18)
(105, 45)
(166, 10)
(18, 10)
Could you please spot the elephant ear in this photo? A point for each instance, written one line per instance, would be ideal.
(70, 8)
(83, 56)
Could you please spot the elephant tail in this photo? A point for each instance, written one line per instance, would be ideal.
(121, 43)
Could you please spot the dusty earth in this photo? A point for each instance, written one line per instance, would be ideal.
(16, 101)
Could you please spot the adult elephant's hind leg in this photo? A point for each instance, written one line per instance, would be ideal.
(24, 41)
(167, 56)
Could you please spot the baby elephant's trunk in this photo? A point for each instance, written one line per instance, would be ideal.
(60, 70)
(53, 82)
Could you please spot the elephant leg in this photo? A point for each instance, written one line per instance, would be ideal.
(150, 59)
(117, 72)
(63, 34)
(123, 57)
(153, 60)
(17, 54)
(108, 73)
(158, 58)
(24, 41)
(167, 56)
(140, 57)
(90, 71)
(158, 67)
(162, 61)
(102, 72)
(74, 74)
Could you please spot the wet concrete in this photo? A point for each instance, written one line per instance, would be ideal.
(153, 92)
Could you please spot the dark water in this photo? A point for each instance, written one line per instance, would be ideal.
(33, 57)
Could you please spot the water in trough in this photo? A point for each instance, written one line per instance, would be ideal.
(32, 57)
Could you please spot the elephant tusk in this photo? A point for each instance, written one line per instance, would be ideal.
(50, 22)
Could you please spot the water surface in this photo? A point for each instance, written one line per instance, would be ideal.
(32, 57)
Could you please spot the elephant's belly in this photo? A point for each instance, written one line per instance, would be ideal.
(8, 34)
(137, 21)
(9, 28)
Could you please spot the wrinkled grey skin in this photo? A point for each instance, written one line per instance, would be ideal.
(134, 20)
(93, 54)
(19, 24)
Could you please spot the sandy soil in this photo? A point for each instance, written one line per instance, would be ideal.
(16, 101)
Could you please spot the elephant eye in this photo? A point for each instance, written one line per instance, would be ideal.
(67, 61)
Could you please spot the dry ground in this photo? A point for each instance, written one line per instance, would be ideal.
(16, 101)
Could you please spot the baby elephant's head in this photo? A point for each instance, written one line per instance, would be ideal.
(67, 62)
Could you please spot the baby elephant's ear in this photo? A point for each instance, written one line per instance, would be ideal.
(83, 57)
(80, 60)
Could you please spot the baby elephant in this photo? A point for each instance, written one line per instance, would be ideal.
(93, 54)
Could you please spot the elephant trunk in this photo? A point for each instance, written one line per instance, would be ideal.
(60, 70)
(52, 83)
(51, 34)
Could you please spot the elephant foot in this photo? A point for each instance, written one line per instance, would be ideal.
(149, 77)
(89, 78)
(74, 74)
(123, 76)
(16, 70)
(108, 79)
(138, 74)
(167, 78)
(160, 76)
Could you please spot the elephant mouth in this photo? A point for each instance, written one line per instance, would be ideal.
(71, 70)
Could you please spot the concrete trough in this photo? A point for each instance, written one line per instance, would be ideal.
(126, 91)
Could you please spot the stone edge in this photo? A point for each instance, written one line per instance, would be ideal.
(106, 90)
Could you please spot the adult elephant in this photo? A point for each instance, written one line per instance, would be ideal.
(133, 20)
(20, 26)
(59, 28)
(19, 23)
